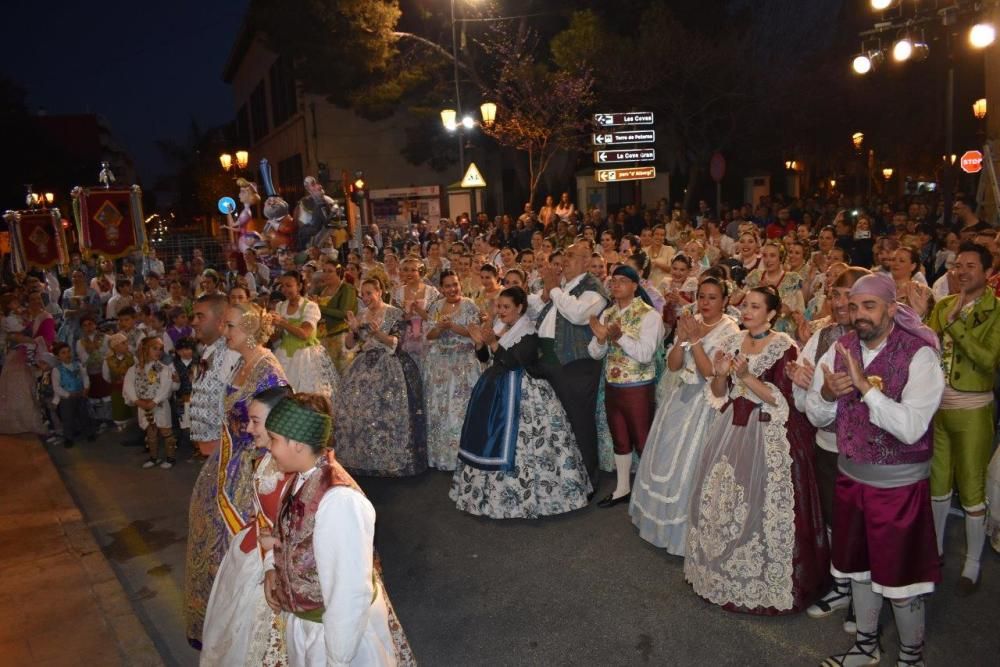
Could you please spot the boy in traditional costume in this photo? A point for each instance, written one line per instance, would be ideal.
(322, 572)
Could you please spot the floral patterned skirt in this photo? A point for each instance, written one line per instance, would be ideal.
(548, 476)
(380, 428)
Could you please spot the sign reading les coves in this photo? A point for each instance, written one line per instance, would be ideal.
(618, 138)
(627, 118)
(633, 155)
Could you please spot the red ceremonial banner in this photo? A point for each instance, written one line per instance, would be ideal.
(109, 221)
(37, 238)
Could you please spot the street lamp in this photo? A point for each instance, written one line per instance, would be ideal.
(858, 138)
(49, 198)
(879, 5)
(242, 159)
(489, 112)
(833, 183)
(448, 119)
(982, 35)
(226, 160)
(979, 108)
(887, 173)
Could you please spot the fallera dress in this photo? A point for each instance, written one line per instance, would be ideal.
(307, 365)
(662, 489)
(518, 457)
(223, 497)
(756, 541)
(450, 372)
(379, 423)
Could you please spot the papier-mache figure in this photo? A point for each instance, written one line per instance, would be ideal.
(241, 224)
(314, 211)
(279, 231)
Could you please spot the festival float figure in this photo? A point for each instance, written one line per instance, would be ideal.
(279, 231)
(314, 211)
(241, 224)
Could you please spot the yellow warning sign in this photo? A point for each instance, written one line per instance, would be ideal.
(472, 178)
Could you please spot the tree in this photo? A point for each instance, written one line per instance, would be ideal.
(541, 110)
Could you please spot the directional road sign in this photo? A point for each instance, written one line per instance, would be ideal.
(624, 174)
(627, 118)
(618, 138)
(625, 155)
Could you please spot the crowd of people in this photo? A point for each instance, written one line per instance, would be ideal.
(788, 395)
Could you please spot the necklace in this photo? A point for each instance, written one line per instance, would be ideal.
(760, 336)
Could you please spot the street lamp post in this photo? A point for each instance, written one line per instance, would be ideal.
(458, 92)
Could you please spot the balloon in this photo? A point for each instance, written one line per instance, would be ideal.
(227, 205)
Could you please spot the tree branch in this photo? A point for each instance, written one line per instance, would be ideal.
(443, 52)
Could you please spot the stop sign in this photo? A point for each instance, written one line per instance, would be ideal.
(972, 162)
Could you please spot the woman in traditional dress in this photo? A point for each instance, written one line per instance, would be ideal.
(335, 299)
(434, 264)
(229, 470)
(21, 412)
(307, 366)
(240, 628)
(380, 426)
(450, 371)
(756, 541)
(662, 489)
(518, 457)
(78, 300)
(788, 284)
(489, 291)
(413, 297)
(660, 254)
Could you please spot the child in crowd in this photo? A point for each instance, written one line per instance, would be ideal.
(128, 326)
(156, 326)
(121, 299)
(185, 373)
(147, 386)
(46, 397)
(91, 350)
(69, 387)
(116, 365)
(179, 327)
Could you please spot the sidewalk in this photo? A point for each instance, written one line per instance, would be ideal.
(60, 602)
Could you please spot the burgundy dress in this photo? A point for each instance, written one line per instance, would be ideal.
(756, 541)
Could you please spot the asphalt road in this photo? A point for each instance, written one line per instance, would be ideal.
(577, 589)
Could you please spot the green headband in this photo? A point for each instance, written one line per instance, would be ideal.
(297, 422)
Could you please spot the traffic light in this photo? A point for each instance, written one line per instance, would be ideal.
(359, 189)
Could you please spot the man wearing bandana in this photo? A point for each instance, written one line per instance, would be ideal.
(881, 384)
(628, 333)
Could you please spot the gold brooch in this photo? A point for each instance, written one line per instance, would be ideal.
(875, 381)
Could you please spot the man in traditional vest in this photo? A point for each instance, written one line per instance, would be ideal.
(882, 383)
(628, 334)
(968, 324)
(564, 335)
(824, 336)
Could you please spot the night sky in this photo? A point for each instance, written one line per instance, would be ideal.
(148, 67)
